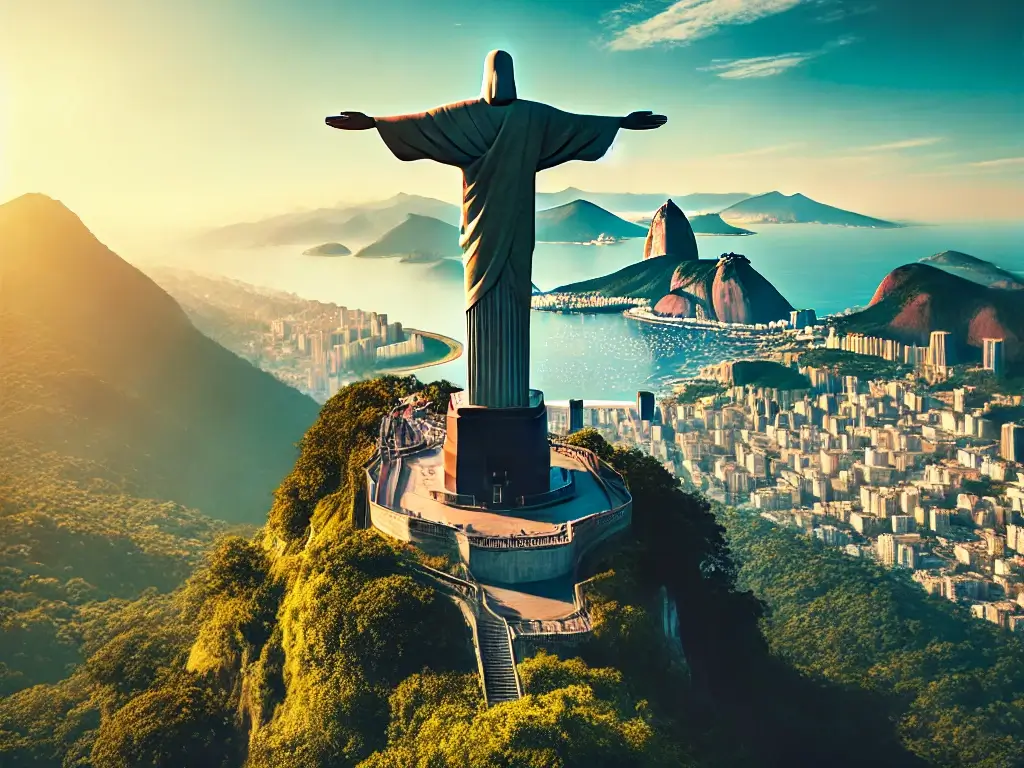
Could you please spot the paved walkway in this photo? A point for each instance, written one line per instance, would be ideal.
(543, 600)
(424, 472)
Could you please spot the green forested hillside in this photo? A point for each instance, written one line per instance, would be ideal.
(953, 685)
(76, 547)
(100, 364)
(317, 644)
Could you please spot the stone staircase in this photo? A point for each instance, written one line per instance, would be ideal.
(500, 680)
(491, 636)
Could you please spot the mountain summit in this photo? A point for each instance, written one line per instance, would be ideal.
(582, 222)
(777, 208)
(670, 235)
(100, 363)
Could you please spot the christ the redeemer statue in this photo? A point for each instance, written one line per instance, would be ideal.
(500, 142)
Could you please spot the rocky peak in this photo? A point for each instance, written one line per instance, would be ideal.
(670, 235)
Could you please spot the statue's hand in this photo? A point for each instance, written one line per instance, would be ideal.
(643, 121)
(351, 121)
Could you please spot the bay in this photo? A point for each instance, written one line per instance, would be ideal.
(825, 268)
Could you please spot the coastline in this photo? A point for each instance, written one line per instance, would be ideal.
(646, 316)
(454, 353)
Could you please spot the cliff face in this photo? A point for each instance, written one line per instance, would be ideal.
(740, 294)
(670, 234)
(728, 289)
(916, 299)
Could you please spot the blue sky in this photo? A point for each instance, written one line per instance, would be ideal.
(189, 113)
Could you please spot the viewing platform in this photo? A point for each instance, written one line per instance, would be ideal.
(505, 541)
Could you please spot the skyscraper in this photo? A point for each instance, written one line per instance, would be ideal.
(940, 349)
(994, 351)
(1011, 446)
(645, 405)
(575, 415)
(801, 318)
(959, 400)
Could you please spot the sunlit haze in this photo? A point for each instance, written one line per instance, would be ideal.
(159, 116)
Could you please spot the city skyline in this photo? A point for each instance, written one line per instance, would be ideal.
(181, 115)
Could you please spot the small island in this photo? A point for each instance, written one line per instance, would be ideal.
(327, 249)
(713, 224)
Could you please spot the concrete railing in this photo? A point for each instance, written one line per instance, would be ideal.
(520, 541)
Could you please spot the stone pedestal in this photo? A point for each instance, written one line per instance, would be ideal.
(507, 447)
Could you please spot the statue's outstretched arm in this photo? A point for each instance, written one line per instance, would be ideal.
(351, 121)
(643, 121)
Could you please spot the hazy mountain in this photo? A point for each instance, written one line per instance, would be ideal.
(777, 208)
(916, 299)
(367, 221)
(327, 249)
(418, 238)
(713, 224)
(634, 203)
(974, 269)
(582, 222)
(447, 270)
(100, 363)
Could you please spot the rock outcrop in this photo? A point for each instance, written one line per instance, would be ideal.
(729, 290)
(670, 234)
(740, 294)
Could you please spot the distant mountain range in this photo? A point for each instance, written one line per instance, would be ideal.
(582, 222)
(628, 202)
(368, 222)
(705, 224)
(417, 239)
(101, 364)
(777, 208)
(974, 269)
(916, 299)
(358, 223)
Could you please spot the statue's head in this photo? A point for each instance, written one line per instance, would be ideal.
(499, 81)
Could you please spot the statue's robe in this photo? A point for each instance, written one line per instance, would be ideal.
(499, 149)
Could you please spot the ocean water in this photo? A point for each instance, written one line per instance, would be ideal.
(606, 356)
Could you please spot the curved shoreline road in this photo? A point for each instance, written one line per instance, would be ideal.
(454, 353)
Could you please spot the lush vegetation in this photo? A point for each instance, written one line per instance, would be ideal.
(695, 390)
(316, 643)
(76, 550)
(844, 363)
(984, 382)
(98, 363)
(768, 374)
(648, 279)
(953, 685)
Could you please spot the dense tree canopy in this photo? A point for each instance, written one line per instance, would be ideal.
(954, 685)
(320, 644)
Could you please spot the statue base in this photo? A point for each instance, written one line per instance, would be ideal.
(497, 455)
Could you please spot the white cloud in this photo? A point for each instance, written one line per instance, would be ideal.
(923, 141)
(687, 20)
(768, 66)
(1000, 163)
(844, 12)
(759, 66)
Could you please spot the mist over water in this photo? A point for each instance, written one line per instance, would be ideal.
(606, 356)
